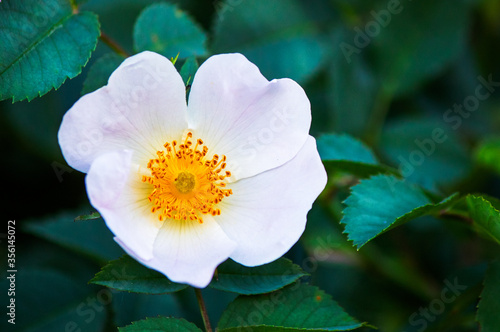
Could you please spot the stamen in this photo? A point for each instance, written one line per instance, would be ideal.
(186, 185)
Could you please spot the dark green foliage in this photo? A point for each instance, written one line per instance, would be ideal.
(487, 313)
(291, 47)
(295, 308)
(344, 153)
(167, 30)
(404, 98)
(100, 71)
(126, 274)
(233, 277)
(381, 203)
(160, 324)
(42, 44)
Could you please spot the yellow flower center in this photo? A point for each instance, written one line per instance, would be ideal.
(186, 184)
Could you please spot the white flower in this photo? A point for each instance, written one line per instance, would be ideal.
(233, 174)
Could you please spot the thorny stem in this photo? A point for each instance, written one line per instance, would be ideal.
(113, 45)
(203, 310)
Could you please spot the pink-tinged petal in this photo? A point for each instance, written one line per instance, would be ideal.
(266, 215)
(188, 251)
(257, 124)
(115, 189)
(142, 107)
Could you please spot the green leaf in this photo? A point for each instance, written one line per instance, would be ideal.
(323, 237)
(62, 302)
(297, 307)
(188, 70)
(486, 216)
(487, 154)
(91, 239)
(126, 274)
(343, 152)
(291, 47)
(403, 56)
(381, 203)
(42, 44)
(36, 123)
(100, 72)
(234, 277)
(488, 307)
(347, 76)
(91, 216)
(344, 147)
(130, 307)
(426, 151)
(159, 324)
(165, 29)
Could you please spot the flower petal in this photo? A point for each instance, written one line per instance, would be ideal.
(188, 252)
(142, 107)
(115, 190)
(266, 215)
(257, 124)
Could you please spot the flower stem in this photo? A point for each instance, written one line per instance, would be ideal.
(203, 310)
(113, 45)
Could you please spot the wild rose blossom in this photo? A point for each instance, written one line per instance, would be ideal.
(183, 187)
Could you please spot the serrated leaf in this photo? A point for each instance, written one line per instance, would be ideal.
(381, 203)
(91, 216)
(345, 153)
(100, 72)
(293, 47)
(167, 30)
(91, 239)
(126, 274)
(488, 307)
(41, 45)
(297, 307)
(188, 70)
(159, 324)
(130, 307)
(236, 278)
(486, 216)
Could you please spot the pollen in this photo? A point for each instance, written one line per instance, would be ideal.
(186, 183)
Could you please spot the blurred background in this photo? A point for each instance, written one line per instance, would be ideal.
(387, 72)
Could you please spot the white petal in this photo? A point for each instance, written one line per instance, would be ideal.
(257, 124)
(141, 108)
(188, 252)
(266, 215)
(116, 191)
